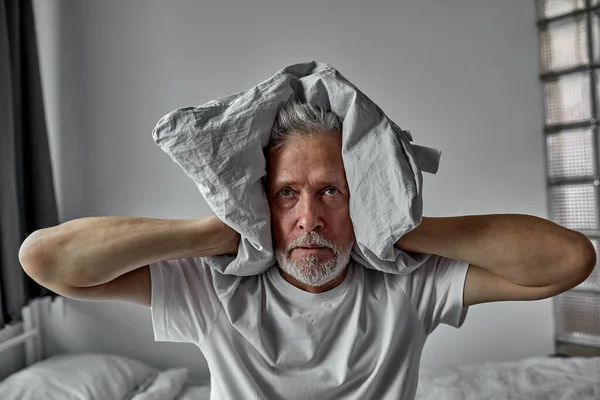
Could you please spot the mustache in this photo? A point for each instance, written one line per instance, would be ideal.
(311, 238)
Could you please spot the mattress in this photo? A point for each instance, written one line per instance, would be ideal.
(531, 379)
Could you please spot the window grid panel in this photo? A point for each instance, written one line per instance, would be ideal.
(596, 37)
(578, 315)
(570, 153)
(597, 77)
(553, 8)
(574, 206)
(593, 281)
(564, 44)
(567, 99)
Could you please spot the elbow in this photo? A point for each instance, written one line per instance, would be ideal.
(29, 252)
(584, 260)
(34, 257)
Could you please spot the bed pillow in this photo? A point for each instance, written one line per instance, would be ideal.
(80, 376)
(197, 392)
(167, 385)
(219, 145)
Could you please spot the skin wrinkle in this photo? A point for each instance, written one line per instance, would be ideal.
(310, 210)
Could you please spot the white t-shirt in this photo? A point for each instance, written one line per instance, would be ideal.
(264, 338)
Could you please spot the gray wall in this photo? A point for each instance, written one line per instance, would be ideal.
(460, 74)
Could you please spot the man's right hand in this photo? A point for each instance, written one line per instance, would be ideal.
(108, 258)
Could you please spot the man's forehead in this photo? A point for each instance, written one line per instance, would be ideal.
(298, 163)
(307, 176)
(324, 181)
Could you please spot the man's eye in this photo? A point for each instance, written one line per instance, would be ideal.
(285, 192)
(331, 188)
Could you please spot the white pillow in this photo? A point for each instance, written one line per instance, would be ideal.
(80, 376)
(220, 144)
(167, 385)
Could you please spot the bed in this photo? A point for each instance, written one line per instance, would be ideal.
(541, 378)
(109, 375)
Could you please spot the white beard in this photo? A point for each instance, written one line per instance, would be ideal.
(312, 270)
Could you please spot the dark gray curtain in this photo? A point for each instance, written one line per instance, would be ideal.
(27, 199)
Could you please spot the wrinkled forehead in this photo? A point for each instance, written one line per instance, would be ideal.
(317, 158)
(290, 174)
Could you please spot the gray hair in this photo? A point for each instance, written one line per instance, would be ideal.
(301, 118)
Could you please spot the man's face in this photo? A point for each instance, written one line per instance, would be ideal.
(309, 201)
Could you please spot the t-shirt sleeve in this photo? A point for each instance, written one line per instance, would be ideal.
(184, 301)
(436, 289)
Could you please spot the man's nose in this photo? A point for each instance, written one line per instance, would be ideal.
(309, 214)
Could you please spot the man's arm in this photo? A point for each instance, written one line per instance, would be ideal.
(106, 258)
(511, 256)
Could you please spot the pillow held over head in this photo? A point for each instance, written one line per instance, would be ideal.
(219, 145)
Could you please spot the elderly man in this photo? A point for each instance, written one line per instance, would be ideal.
(316, 325)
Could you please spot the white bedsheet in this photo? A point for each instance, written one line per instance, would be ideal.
(530, 379)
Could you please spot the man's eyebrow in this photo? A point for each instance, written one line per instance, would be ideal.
(321, 183)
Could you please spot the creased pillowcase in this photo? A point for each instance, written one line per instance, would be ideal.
(78, 376)
(166, 385)
(219, 145)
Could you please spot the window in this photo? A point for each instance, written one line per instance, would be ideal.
(569, 33)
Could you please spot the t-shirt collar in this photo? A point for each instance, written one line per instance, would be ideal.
(307, 297)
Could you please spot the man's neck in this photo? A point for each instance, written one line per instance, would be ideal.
(314, 289)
